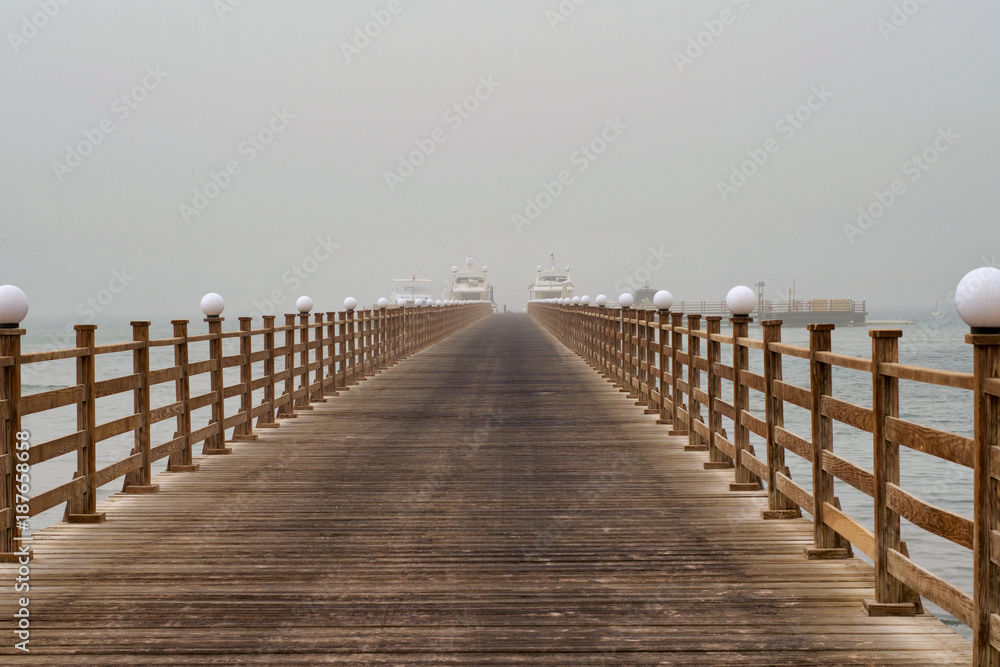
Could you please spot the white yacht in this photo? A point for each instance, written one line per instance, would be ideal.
(411, 289)
(551, 283)
(470, 283)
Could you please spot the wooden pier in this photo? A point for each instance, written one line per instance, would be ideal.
(490, 500)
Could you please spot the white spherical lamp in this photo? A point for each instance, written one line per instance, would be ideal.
(662, 300)
(383, 303)
(485, 269)
(304, 304)
(741, 301)
(350, 303)
(401, 302)
(438, 302)
(585, 300)
(13, 306)
(576, 301)
(625, 300)
(212, 304)
(977, 299)
(601, 300)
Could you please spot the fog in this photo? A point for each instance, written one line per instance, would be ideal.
(154, 151)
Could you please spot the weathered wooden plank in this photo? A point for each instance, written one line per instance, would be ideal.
(117, 385)
(793, 394)
(956, 379)
(49, 400)
(161, 375)
(790, 350)
(117, 427)
(858, 535)
(723, 371)
(200, 367)
(119, 468)
(848, 413)
(931, 586)
(795, 493)
(793, 443)
(754, 464)
(53, 497)
(755, 424)
(844, 361)
(752, 380)
(50, 449)
(933, 519)
(856, 476)
(53, 355)
(201, 401)
(167, 448)
(168, 411)
(948, 446)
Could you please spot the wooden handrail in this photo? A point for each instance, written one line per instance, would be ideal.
(680, 381)
(381, 339)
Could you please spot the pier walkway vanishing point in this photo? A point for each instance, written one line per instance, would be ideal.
(491, 500)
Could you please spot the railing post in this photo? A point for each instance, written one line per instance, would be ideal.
(302, 402)
(986, 492)
(182, 460)
(779, 505)
(11, 536)
(891, 597)
(664, 370)
(140, 481)
(216, 444)
(287, 409)
(244, 431)
(745, 480)
(677, 338)
(266, 420)
(351, 354)
(713, 388)
(330, 384)
(316, 395)
(826, 542)
(83, 508)
(694, 382)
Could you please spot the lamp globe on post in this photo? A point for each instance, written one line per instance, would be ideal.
(401, 302)
(584, 300)
(212, 305)
(625, 300)
(662, 300)
(350, 303)
(977, 300)
(13, 306)
(576, 301)
(741, 301)
(383, 303)
(304, 304)
(601, 301)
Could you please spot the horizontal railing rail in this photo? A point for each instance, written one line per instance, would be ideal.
(678, 370)
(282, 369)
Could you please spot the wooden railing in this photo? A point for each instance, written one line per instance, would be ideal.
(676, 369)
(282, 370)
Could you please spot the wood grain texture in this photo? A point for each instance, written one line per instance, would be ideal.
(490, 500)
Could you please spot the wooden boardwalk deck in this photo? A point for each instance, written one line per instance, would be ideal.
(490, 500)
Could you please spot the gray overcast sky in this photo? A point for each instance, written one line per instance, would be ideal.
(725, 142)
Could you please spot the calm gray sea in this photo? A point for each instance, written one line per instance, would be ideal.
(935, 342)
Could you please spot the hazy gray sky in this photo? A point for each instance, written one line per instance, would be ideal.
(153, 151)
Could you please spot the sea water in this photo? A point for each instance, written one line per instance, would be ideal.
(932, 342)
